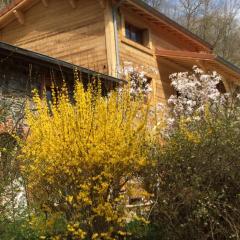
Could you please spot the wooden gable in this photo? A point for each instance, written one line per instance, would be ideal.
(168, 26)
(69, 30)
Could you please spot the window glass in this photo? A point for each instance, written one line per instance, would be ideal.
(134, 33)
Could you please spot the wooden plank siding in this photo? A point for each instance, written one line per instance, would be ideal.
(163, 43)
(74, 35)
(145, 56)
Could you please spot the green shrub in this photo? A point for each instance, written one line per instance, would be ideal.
(195, 178)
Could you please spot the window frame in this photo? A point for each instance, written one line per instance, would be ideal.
(146, 45)
(134, 33)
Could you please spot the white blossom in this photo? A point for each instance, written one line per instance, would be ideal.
(238, 97)
(193, 91)
(139, 84)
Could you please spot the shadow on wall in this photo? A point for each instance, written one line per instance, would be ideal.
(166, 68)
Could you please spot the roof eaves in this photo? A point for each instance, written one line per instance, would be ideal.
(10, 6)
(163, 17)
(228, 64)
(54, 61)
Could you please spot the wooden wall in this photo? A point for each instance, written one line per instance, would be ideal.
(85, 36)
(74, 35)
(145, 56)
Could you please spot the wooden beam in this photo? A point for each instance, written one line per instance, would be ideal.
(72, 3)
(19, 15)
(208, 62)
(8, 16)
(45, 3)
(202, 65)
(226, 71)
(110, 40)
(102, 3)
(184, 54)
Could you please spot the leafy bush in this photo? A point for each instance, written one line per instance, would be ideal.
(12, 192)
(195, 177)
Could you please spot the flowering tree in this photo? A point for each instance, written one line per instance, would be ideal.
(140, 85)
(194, 91)
(85, 156)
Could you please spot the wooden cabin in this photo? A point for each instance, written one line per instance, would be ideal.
(106, 35)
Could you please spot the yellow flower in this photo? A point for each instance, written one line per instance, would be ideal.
(79, 155)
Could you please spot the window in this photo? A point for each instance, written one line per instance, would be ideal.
(134, 33)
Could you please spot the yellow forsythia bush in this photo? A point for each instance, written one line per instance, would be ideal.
(79, 156)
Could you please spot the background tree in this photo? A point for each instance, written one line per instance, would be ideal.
(215, 21)
(3, 3)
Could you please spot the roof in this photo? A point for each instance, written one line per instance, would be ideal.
(228, 64)
(46, 60)
(169, 21)
(159, 18)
